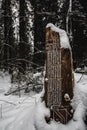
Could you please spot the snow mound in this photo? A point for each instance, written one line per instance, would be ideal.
(64, 41)
(75, 124)
(5, 82)
(28, 113)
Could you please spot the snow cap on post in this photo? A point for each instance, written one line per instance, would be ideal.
(64, 41)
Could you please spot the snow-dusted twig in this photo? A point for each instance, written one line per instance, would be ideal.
(8, 102)
(22, 88)
(80, 78)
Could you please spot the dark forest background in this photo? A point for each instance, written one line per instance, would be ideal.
(22, 31)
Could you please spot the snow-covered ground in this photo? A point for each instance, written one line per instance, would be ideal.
(27, 112)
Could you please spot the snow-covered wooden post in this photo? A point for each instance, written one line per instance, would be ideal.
(59, 81)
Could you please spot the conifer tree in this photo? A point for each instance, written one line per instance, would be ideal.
(79, 20)
(23, 38)
(8, 44)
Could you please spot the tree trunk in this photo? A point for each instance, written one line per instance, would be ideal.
(23, 33)
(8, 32)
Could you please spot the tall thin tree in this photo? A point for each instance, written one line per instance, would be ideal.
(8, 32)
(23, 44)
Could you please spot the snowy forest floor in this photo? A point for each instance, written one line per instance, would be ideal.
(27, 112)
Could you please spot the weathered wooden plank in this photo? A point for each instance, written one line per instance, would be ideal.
(59, 77)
